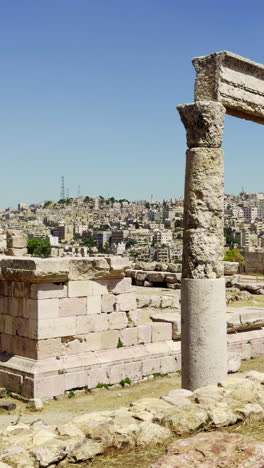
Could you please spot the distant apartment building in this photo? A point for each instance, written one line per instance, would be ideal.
(250, 212)
(101, 238)
(163, 236)
(119, 235)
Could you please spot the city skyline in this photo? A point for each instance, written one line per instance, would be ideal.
(90, 92)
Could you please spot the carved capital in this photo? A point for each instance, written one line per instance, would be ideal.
(204, 123)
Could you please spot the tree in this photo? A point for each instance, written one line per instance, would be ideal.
(38, 247)
(234, 255)
(130, 242)
(88, 242)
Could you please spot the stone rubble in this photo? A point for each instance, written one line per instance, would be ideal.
(146, 421)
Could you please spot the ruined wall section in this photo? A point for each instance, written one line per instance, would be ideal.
(75, 330)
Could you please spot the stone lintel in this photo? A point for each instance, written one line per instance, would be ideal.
(38, 270)
(234, 81)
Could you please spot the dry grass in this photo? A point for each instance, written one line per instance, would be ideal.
(254, 301)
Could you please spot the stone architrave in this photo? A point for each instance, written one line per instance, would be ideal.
(204, 342)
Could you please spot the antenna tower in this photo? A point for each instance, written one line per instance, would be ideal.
(62, 192)
(79, 191)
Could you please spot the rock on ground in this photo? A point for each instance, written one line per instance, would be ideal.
(212, 450)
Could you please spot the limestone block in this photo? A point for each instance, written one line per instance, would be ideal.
(108, 301)
(84, 324)
(4, 309)
(49, 348)
(168, 364)
(231, 268)
(246, 351)
(9, 325)
(49, 386)
(126, 302)
(47, 290)
(134, 318)
(16, 306)
(133, 370)
(156, 276)
(109, 339)
(142, 301)
(94, 305)
(151, 366)
(115, 373)
(11, 381)
(166, 302)
(75, 380)
(34, 270)
(118, 265)
(129, 336)
(117, 320)
(57, 327)
(72, 306)
(41, 309)
(91, 323)
(100, 322)
(5, 287)
(161, 331)
(232, 80)
(97, 376)
(16, 239)
(119, 286)
(78, 288)
(20, 289)
(204, 123)
(155, 301)
(257, 348)
(19, 346)
(144, 334)
(141, 275)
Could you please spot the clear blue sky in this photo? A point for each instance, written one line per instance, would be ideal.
(89, 90)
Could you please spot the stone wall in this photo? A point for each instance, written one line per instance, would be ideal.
(254, 262)
(68, 323)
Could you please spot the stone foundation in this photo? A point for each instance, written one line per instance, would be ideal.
(67, 324)
(70, 323)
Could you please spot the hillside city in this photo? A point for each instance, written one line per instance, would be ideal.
(142, 230)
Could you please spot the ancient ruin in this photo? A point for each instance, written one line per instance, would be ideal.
(228, 83)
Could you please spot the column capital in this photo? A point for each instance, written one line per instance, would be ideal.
(204, 123)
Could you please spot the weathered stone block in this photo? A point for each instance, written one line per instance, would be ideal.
(57, 327)
(144, 334)
(133, 370)
(49, 386)
(151, 366)
(75, 380)
(234, 81)
(51, 347)
(168, 364)
(109, 339)
(41, 309)
(117, 320)
(115, 373)
(47, 291)
(161, 332)
(120, 286)
(108, 302)
(126, 302)
(129, 336)
(78, 288)
(72, 306)
(11, 381)
(94, 304)
(97, 376)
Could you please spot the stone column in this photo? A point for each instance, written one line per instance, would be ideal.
(204, 341)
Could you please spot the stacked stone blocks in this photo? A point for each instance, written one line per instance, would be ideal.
(56, 336)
